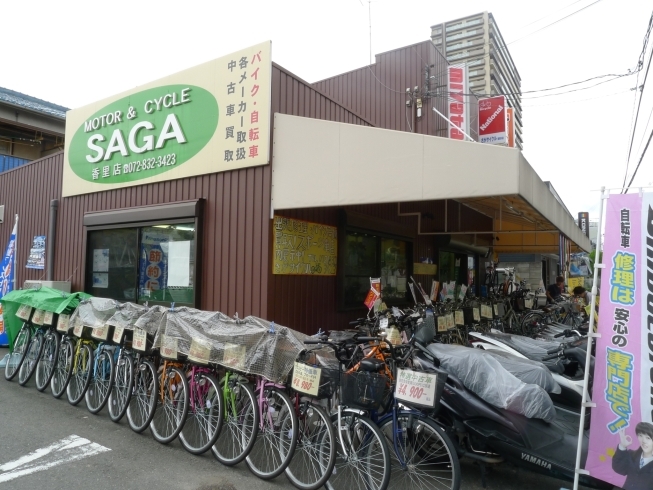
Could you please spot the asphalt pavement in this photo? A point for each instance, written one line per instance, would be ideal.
(48, 443)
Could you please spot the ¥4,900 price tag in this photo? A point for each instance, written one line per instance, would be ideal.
(200, 351)
(416, 388)
(100, 333)
(140, 339)
(169, 347)
(477, 315)
(24, 312)
(48, 317)
(63, 323)
(306, 378)
(234, 356)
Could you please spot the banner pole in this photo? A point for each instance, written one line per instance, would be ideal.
(13, 281)
(590, 335)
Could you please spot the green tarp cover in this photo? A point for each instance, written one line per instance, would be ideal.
(44, 298)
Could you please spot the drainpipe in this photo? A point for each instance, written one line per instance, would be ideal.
(49, 255)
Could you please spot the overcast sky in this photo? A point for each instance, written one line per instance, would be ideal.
(76, 52)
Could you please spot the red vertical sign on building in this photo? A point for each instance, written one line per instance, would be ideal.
(492, 120)
(457, 108)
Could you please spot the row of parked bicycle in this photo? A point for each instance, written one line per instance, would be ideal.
(349, 410)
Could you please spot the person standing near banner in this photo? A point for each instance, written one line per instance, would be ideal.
(555, 290)
(635, 465)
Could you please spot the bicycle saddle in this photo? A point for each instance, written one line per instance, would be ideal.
(371, 365)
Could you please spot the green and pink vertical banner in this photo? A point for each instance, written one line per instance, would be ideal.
(623, 375)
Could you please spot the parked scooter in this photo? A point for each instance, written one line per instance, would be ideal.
(567, 368)
(489, 434)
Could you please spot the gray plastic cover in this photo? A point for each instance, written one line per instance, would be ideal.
(484, 375)
(526, 370)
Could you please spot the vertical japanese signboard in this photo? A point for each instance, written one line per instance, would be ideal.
(458, 112)
(304, 248)
(584, 223)
(623, 376)
(492, 126)
(211, 118)
(510, 121)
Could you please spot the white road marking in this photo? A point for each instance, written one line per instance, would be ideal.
(71, 448)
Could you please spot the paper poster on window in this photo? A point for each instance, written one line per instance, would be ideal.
(101, 260)
(36, 259)
(178, 260)
(304, 248)
(100, 280)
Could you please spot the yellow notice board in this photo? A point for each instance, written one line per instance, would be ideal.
(304, 248)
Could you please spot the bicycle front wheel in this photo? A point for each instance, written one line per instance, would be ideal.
(315, 455)
(17, 355)
(241, 422)
(99, 388)
(81, 375)
(364, 462)
(277, 437)
(121, 390)
(424, 458)
(172, 406)
(141, 406)
(63, 368)
(31, 359)
(47, 361)
(205, 415)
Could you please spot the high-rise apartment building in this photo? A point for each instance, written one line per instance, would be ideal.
(476, 42)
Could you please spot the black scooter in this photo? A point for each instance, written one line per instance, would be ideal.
(491, 435)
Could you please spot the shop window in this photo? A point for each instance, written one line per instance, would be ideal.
(457, 269)
(369, 255)
(154, 264)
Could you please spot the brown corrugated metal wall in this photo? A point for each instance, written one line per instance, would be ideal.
(27, 191)
(378, 92)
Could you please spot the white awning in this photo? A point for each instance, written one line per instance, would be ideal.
(320, 163)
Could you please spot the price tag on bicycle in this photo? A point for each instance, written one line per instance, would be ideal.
(450, 321)
(78, 328)
(442, 324)
(306, 379)
(139, 341)
(169, 347)
(234, 356)
(200, 351)
(37, 318)
(63, 323)
(100, 333)
(117, 334)
(24, 312)
(415, 387)
(48, 317)
(477, 314)
(529, 304)
(486, 311)
(459, 317)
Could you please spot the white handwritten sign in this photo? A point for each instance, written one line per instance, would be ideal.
(200, 351)
(496, 309)
(450, 321)
(37, 318)
(460, 318)
(78, 328)
(306, 378)
(139, 341)
(234, 356)
(477, 315)
(393, 335)
(63, 323)
(24, 312)
(100, 333)
(442, 324)
(169, 347)
(486, 311)
(415, 387)
(48, 317)
(117, 334)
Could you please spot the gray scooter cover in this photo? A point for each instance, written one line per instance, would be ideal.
(483, 374)
(526, 370)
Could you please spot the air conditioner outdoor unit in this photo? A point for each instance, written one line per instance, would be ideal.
(60, 285)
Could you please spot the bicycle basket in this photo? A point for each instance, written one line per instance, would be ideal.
(363, 389)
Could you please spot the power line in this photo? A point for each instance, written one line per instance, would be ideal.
(639, 163)
(640, 91)
(559, 20)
